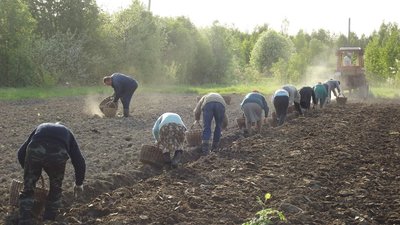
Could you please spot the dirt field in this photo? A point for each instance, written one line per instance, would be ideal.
(340, 165)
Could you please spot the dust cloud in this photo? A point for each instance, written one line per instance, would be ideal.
(92, 106)
(316, 74)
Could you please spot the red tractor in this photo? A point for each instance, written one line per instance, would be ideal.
(350, 70)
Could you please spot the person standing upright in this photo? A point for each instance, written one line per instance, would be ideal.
(124, 88)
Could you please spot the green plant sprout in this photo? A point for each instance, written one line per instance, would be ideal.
(266, 215)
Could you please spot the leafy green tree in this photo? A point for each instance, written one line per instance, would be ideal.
(181, 48)
(16, 37)
(139, 42)
(55, 16)
(270, 47)
(220, 41)
(375, 64)
(61, 59)
(250, 40)
(383, 52)
(204, 58)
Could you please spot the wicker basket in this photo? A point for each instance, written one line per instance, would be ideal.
(341, 100)
(40, 195)
(241, 122)
(151, 154)
(108, 107)
(193, 135)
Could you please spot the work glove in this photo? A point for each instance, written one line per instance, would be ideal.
(78, 191)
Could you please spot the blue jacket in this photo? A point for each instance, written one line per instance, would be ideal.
(123, 85)
(58, 134)
(258, 98)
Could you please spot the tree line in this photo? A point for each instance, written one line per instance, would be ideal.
(54, 42)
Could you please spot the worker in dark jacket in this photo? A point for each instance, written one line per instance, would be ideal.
(124, 87)
(48, 148)
(253, 105)
(332, 86)
(280, 99)
(306, 95)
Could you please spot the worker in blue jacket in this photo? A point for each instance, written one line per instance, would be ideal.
(254, 106)
(124, 87)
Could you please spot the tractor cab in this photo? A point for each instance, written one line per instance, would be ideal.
(350, 70)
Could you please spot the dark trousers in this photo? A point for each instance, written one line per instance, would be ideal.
(281, 104)
(126, 98)
(321, 102)
(213, 110)
(52, 159)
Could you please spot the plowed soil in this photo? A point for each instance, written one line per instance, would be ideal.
(338, 165)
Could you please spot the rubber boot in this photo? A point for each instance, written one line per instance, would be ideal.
(26, 219)
(215, 145)
(47, 215)
(205, 148)
(177, 158)
(167, 158)
(281, 120)
(126, 112)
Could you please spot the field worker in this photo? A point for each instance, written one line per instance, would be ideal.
(346, 60)
(333, 85)
(294, 97)
(306, 95)
(320, 94)
(124, 87)
(252, 106)
(169, 131)
(280, 99)
(213, 107)
(48, 147)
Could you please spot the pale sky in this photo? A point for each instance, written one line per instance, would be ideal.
(332, 15)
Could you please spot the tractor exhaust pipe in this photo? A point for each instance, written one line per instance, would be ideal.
(348, 35)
